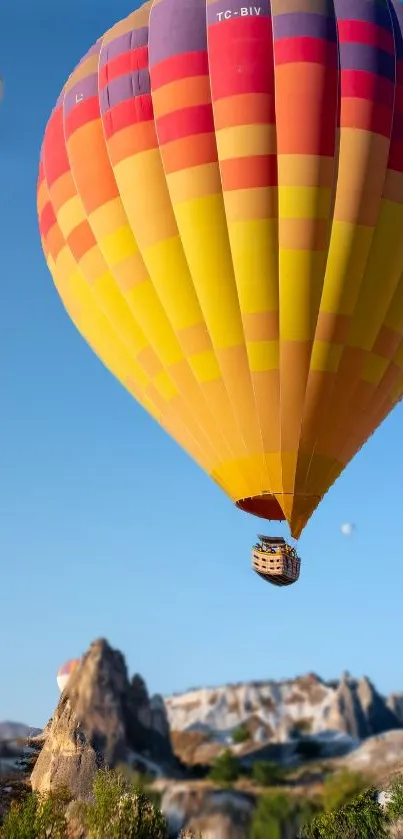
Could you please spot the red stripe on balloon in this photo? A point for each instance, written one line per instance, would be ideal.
(122, 65)
(184, 123)
(82, 114)
(310, 50)
(185, 65)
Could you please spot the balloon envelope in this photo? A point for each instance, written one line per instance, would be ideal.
(347, 529)
(220, 203)
(65, 671)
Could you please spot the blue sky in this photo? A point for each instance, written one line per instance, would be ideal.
(106, 527)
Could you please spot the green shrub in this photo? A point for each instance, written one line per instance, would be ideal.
(141, 781)
(225, 768)
(266, 773)
(341, 788)
(394, 808)
(241, 735)
(119, 810)
(37, 816)
(276, 812)
(361, 818)
(19, 823)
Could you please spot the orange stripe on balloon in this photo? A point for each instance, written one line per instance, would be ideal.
(81, 240)
(249, 172)
(244, 109)
(364, 114)
(189, 151)
(132, 139)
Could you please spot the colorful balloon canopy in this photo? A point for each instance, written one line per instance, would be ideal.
(220, 200)
(65, 671)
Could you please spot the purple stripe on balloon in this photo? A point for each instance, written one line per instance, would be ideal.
(367, 58)
(366, 10)
(124, 88)
(176, 27)
(224, 10)
(84, 89)
(396, 13)
(304, 25)
(124, 43)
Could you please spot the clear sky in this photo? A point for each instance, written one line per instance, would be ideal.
(106, 527)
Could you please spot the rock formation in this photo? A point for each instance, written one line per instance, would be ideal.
(274, 712)
(102, 719)
(378, 715)
(395, 704)
(346, 713)
(207, 810)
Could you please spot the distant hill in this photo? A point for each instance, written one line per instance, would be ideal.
(16, 731)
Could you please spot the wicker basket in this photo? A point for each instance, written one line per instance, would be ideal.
(276, 562)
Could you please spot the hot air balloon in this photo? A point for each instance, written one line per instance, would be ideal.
(220, 203)
(64, 672)
(347, 528)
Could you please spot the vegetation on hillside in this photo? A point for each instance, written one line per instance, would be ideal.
(360, 818)
(120, 808)
(241, 735)
(225, 768)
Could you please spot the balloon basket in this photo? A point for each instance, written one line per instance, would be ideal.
(275, 561)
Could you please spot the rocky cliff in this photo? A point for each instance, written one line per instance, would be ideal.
(102, 718)
(275, 712)
(395, 703)
(207, 811)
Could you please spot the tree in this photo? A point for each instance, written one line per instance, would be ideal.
(225, 768)
(266, 773)
(241, 734)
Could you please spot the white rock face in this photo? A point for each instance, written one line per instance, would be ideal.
(276, 711)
